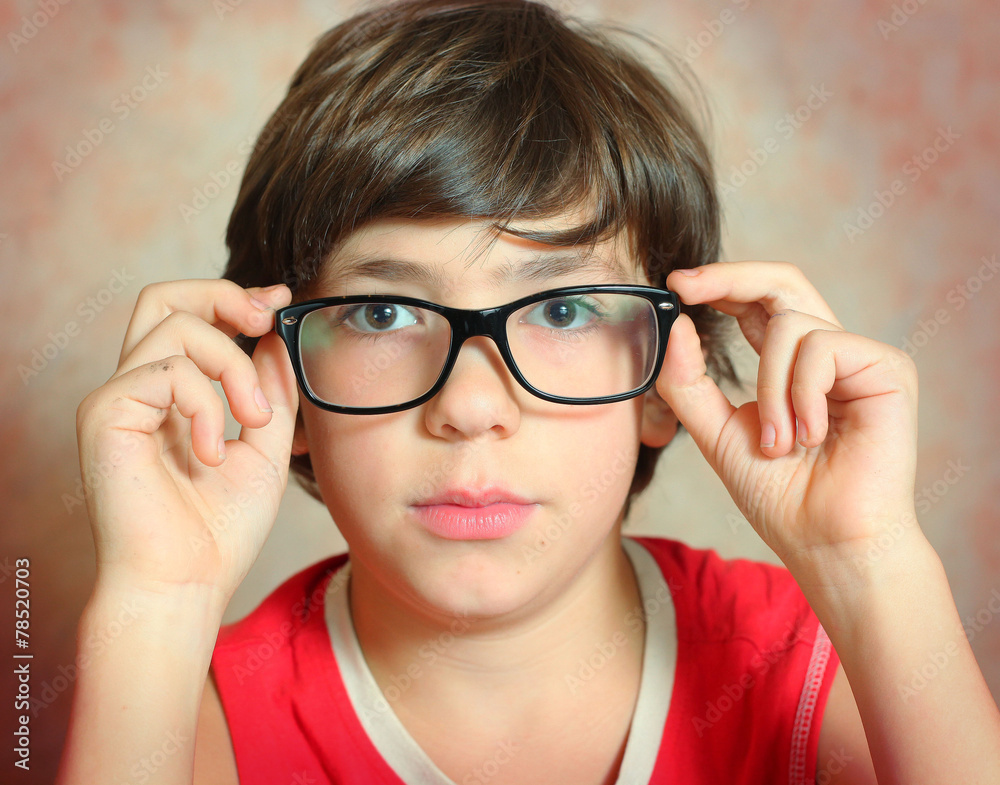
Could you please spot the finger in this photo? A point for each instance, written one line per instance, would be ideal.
(274, 368)
(684, 384)
(220, 303)
(737, 288)
(215, 355)
(837, 367)
(141, 399)
(780, 348)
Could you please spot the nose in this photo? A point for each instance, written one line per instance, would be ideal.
(478, 398)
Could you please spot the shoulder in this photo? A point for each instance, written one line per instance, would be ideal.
(257, 651)
(214, 758)
(754, 666)
(718, 599)
(291, 606)
(256, 673)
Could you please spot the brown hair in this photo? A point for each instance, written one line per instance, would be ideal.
(498, 110)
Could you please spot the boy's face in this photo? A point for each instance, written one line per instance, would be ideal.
(562, 472)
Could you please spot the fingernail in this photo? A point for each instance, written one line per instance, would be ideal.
(767, 435)
(801, 434)
(222, 448)
(262, 404)
(258, 304)
(271, 288)
(688, 271)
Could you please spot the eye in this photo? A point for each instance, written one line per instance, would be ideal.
(380, 318)
(562, 314)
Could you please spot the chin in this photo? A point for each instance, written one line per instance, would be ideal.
(475, 581)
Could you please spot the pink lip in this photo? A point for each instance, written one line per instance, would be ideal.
(460, 514)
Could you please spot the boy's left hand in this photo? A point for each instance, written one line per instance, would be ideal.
(836, 473)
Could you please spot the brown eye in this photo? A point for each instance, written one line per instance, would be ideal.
(559, 312)
(380, 316)
(376, 318)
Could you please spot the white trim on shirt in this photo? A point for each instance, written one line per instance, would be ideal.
(402, 753)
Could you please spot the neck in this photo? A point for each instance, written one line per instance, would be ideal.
(534, 651)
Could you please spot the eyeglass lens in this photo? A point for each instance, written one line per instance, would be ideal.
(386, 354)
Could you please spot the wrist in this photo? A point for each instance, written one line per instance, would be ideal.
(116, 586)
(143, 657)
(846, 584)
(860, 561)
(185, 616)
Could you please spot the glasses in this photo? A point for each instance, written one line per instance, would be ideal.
(374, 354)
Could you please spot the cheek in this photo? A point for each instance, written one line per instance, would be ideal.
(581, 459)
(353, 458)
(589, 455)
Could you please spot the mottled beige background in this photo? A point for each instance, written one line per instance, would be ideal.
(887, 82)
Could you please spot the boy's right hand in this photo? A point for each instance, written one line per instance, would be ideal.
(167, 511)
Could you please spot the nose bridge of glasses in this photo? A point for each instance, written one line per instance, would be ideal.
(470, 324)
(488, 323)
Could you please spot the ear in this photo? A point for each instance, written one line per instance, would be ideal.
(659, 423)
(300, 439)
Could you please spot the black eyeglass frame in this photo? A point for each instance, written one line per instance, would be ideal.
(465, 324)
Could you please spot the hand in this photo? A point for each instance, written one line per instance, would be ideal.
(166, 509)
(823, 462)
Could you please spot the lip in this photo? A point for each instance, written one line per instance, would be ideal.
(471, 497)
(473, 514)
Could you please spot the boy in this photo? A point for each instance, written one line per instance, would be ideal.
(433, 164)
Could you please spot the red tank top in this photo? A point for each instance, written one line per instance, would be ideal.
(753, 671)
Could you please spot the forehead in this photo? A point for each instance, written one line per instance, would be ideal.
(455, 253)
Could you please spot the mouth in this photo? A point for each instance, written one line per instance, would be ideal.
(467, 514)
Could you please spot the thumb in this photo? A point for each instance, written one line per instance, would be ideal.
(277, 380)
(694, 397)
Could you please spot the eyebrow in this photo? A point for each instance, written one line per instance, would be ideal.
(536, 268)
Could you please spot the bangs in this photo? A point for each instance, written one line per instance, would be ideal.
(497, 111)
(492, 111)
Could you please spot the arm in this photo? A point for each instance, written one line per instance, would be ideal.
(842, 756)
(925, 705)
(136, 704)
(177, 521)
(823, 467)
